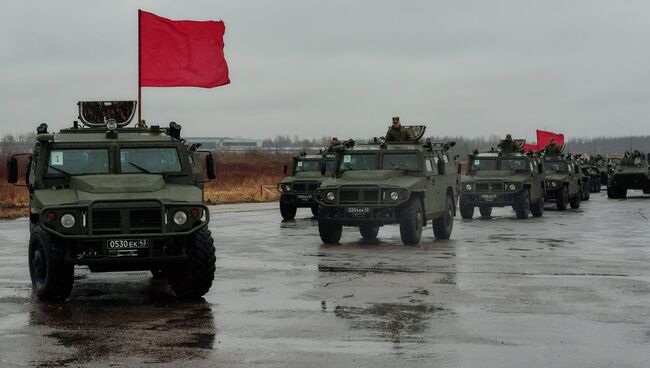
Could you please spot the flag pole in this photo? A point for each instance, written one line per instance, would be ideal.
(139, 125)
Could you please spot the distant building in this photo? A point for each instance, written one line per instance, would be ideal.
(226, 144)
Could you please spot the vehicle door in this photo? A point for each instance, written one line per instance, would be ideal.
(435, 183)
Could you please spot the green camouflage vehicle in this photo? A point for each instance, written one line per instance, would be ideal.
(563, 182)
(405, 183)
(298, 190)
(500, 179)
(632, 172)
(115, 198)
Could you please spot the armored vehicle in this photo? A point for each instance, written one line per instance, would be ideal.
(499, 179)
(298, 189)
(116, 198)
(406, 183)
(563, 182)
(632, 172)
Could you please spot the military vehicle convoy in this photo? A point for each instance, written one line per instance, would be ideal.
(632, 172)
(563, 182)
(116, 198)
(500, 179)
(298, 189)
(407, 183)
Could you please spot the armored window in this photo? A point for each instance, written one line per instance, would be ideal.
(78, 161)
(362, 161)
(307, 165)
(149, 160)
(556, 166)
(483, 164)
(514, 164)
(446, 158)
(428, 165)
(400, 161)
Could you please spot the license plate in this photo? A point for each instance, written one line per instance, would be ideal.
(304, 196)
(127, 243)
(488, 197)
(357, 211)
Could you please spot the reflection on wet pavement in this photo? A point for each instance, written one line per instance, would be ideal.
(569, 289)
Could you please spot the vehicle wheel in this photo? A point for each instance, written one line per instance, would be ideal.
(288, 211)
(193, 279)
(329, 231)
(522, 204)
(485, 211)
(443, 226)
(466, 209)
(159, 273)
(575, 201)
(537, 208)
(615, 192)
(51, 278)
(586, 193)
(562, 198)
(369, 231)
(411, 221)
(314, 210)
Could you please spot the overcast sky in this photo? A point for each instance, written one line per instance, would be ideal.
(344, 68)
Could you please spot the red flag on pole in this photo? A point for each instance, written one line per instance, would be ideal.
(544, 138)
(181, 53)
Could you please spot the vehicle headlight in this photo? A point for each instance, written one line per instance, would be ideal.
(67, 221)
(330, 196)
(287, 188)
(512, 187)
(180, 218)
(394, 196)
(468, 187)
(554, 184)
(111, 124)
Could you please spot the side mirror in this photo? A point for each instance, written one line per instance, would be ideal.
(209, 167)
(285, 169)
(12, 170)
(441, 167)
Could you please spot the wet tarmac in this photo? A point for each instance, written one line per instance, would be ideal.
(571, 289)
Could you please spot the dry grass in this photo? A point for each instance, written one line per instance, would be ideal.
(239, 177)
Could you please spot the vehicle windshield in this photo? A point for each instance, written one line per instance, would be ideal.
(329, 166)
(514, 164)
(308, 165)
(559, 167)
(149, 160)
(400, 161)
(78, 161)
(484, 164)
(359, 161)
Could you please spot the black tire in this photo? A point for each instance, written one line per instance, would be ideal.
(52, 279)
(562, 198)
(537, 208)
(287, 210)
(369, 231)
(522, 204)
(330, 232)
(486, 211)
(411, 222)
(575, 200)
(314, 210)
(443, 225)
(466, 209)
(586, 192)
(192, 279)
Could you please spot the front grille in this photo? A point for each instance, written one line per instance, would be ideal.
(305, 187)
(359, 195)
(117, 218)
(489, 186)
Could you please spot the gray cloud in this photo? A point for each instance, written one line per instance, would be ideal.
(345, 67)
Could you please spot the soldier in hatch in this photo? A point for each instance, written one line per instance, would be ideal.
(508, 145)
(552, 149)
(397, 133)
(333, 144)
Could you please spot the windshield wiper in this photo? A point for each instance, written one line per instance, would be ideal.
(67, 174)
(396, 167)
(348, 166)
(140, 168)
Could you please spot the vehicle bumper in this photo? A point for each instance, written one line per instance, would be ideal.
(347, 215)
(300, 199)
(489, 199)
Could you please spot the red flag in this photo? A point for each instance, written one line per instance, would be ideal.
(544, 138)
(528, 147)
(175, 53)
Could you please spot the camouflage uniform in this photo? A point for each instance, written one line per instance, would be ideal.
(400, 134)
(333, 146)
(508, 144)
(552, 150)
